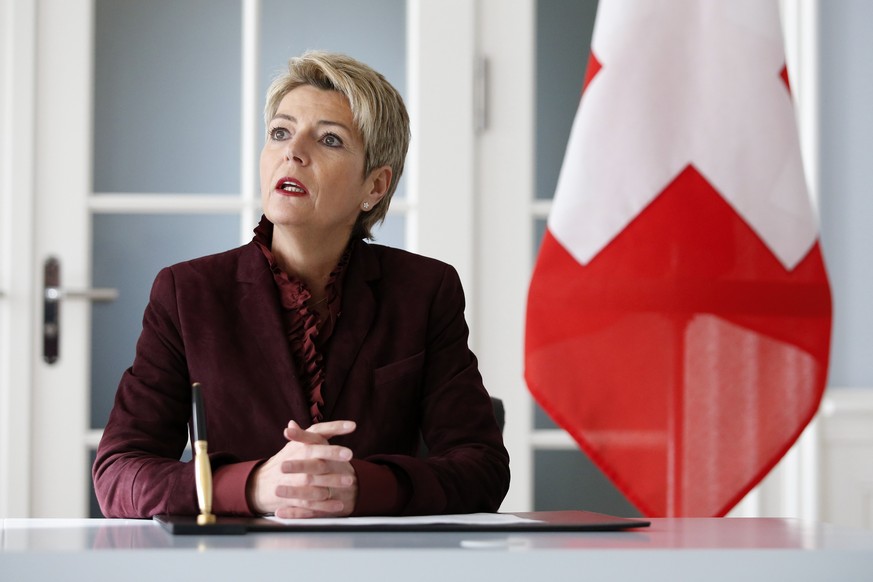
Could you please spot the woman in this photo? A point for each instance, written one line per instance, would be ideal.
(323, 359)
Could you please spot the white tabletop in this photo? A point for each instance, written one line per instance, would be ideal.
(671, 549)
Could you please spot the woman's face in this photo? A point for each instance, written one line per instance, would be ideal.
(312, 165)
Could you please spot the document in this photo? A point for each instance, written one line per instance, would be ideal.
(458, 519)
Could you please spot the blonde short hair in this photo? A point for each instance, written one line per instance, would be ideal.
(377, 109)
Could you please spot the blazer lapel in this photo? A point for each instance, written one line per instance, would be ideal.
(356, 318)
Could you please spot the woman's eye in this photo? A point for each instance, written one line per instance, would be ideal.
(332, 140)
(279, 133)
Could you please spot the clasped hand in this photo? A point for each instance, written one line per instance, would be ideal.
(309, 477)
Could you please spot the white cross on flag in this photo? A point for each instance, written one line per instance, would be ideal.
(679, 314)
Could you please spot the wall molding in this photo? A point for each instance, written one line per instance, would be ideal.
(847, 457)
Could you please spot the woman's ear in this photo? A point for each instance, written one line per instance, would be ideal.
(378, 183)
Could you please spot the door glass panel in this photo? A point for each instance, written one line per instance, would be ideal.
(563, 43)
(167, 96)
(566, 479)
(128, 251)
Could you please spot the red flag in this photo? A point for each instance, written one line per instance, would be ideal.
(679, 314)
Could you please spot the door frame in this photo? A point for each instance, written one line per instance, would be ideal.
(62, 129)
(17, 91)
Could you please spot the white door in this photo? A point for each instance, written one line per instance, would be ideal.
(42, 410)
(130, 138)
(62, 111)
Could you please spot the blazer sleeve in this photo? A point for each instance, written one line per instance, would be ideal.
(137, 472)
(466, 468)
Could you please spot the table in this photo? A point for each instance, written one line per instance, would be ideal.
(671, 549)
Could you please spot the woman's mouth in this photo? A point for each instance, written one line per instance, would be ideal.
(291, 187)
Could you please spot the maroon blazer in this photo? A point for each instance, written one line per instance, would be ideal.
(398, 364)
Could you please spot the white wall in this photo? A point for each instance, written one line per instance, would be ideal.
(846, 194)
(846, 183)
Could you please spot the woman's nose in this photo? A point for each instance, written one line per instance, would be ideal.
(296, 150)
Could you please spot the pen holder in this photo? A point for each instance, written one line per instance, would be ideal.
(203, 481)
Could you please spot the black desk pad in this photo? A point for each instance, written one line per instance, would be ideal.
(546, 521)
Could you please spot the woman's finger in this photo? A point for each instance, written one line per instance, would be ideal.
(318, 433)
(320, 471)
(323, 452)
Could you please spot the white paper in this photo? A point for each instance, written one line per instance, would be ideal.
(457, 519)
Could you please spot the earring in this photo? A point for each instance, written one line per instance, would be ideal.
(365, 206)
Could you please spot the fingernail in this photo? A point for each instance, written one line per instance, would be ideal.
(346, 455)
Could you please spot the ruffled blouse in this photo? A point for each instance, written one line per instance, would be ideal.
(307, 334)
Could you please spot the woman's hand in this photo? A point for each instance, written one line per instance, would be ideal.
(309, 477)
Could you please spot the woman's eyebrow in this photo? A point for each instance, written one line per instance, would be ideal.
(293, 119)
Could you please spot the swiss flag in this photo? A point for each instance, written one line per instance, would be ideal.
(679, 314)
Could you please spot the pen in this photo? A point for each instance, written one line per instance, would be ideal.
(202, 469)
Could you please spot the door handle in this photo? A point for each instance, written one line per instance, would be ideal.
(53, 292)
